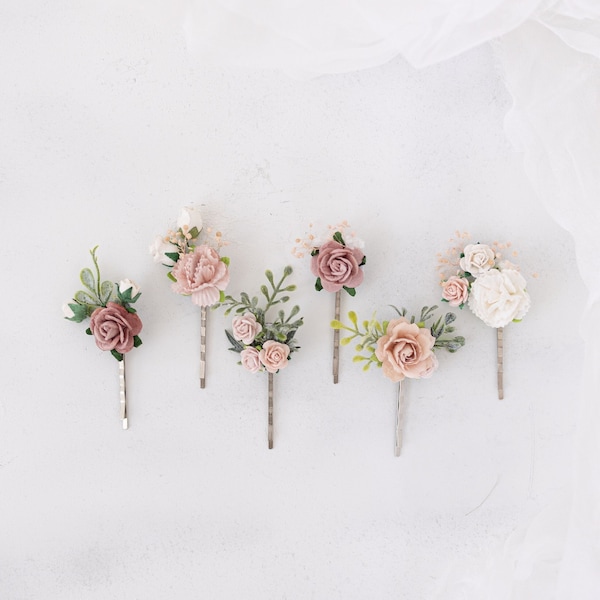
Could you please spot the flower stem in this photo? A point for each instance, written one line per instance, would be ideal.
(203, 313)
(122, 395)
(500, 346)
(336, 339)
(400, 414)
(270, 422)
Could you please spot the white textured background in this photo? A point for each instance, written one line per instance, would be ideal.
(107, 129)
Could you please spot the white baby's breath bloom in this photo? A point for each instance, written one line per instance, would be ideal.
(499, 297)
(67, 311)
(189, 218)
(159, 251)
(126, 284)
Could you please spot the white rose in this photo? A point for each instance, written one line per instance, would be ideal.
(477, 259)
(159, 251)
(191, 217)
(499, 297)
(67, 311)
(127, 284)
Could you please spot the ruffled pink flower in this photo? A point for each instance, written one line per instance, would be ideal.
(114, 328)
(456, 290)
(245, 328)
(251, 359)
(406, 350)
(274, 355)
(337, 266)
(201, 274)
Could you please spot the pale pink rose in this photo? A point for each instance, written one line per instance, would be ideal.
(456, 290)
(246, 328)
(274, 355)
(201, 274)
(251, 359)
(477, 259)
(114, 328)
(337, 266)
(406, 350)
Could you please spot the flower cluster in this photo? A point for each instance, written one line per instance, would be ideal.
(261, 344)
(113, 321)
(336, 260)
(197, 269)
(402, 347)
(480, 276)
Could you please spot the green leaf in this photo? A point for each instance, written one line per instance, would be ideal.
(314, 252)
(137, 341)
(264, 291)
(269, 276)
(352, 316)
(366, 367)
(225, 259)
(87, 278)
(221, 296)
(351, 291)
(236, 345)
(345, 341)
(449, 318)
(363, 262)
(88, 331)
(194, 232)
(335, 324)
(337, 236)
(171, 276)
(287, 271)
(318, 284)
(117, 355)
(79, 313)
(358, 359)
(174, 256)
(85, 298)
(106, 291)
(290, 288)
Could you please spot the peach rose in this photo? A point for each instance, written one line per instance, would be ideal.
(202, 274)
(114, 328)
(455, 290)
(251, 359)
(245, 328)
(337, 266)
(274, 355)
(406, 350)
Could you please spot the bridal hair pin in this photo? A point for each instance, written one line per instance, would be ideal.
(403, 348)
(337, 261)
(113, 321)
(493, 288)
(264, 345)
(195, 267)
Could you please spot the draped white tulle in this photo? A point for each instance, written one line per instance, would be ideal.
(549, 53)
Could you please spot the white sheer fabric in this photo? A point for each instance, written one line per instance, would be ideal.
(549, 53)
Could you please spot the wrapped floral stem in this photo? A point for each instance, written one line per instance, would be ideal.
(263, 344)
(196, 267)
(114, 322)
(402, 347)
(336, 261)
(336, 339)
(478, 275)
(270, 421)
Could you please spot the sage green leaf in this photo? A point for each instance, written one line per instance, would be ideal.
(106, 291)
(87, 278)
(117, 355)
(85, 298)
(137, 341)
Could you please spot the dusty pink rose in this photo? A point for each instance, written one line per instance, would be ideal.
(246, 328)
(406, 350)
(114, 328)
(337, 266)
(202, 274)
(251, 359)
(456, 290)
(274, 355)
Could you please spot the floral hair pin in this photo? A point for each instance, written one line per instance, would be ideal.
(264, 345)
(337, 262)
(196, 268)
(114, 323)
(493, 287)
(403, 348)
